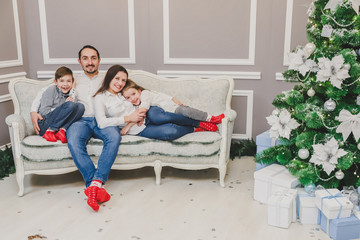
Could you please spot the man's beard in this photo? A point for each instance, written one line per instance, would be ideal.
(90, 72)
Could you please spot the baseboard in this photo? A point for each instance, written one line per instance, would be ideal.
(3, 147)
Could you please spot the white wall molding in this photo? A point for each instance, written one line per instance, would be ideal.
(51, 74)
(5, 98)
(45, 41)
(249, 94)
(5, 78)
(279, 76)
(19, 60)
(206, 74)
(209, 61)
(288, 29)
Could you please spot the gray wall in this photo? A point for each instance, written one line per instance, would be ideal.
(246, 39)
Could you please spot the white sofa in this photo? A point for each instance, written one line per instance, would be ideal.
(200, 150)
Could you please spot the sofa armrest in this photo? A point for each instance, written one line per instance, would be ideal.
(230, 114)
(16, 123)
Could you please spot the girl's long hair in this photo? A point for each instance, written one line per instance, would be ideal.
(131, 84)
(110, 74)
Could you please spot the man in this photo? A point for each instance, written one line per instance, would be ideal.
(80, 132)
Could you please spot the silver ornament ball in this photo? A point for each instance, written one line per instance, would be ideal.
(358, 100)
(339, 175)
(309, 48)
(330, 105)
(311, 92)
(303, 153)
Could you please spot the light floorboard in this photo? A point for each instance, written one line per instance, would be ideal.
(188, 205)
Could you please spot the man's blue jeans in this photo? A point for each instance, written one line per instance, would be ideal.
(61, 117)
(167, 126)
(79, 134)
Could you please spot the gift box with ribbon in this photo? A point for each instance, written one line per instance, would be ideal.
(341, 228)
(282, 208)
(307, 210)
(332, 203)
(264, 141)
(272, 179)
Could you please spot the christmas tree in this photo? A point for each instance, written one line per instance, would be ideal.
(318, 121)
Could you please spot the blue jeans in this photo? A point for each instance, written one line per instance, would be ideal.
(61, 117)
(79, 134)
(166, 126)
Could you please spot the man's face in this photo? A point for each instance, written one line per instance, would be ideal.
(89, 61)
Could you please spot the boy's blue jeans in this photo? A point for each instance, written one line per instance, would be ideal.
(79, 134)
(166, 125)
(61, 117)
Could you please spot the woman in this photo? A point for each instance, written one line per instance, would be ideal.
(111, 109)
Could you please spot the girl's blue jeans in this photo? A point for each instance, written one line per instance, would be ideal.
(167, 126)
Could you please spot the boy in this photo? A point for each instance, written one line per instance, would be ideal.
(58, 108)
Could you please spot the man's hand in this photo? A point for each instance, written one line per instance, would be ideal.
(34, 119)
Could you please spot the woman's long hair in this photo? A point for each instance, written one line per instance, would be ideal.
(110, 74)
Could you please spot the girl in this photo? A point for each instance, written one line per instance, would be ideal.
(143, 99)
(57, 107)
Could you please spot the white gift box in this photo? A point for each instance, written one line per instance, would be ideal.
(308, 211)
(332, 204)
(282, 208)
(272, 179)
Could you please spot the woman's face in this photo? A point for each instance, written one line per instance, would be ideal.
(117, 83)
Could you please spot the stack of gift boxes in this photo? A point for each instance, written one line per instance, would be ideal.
(287, 202)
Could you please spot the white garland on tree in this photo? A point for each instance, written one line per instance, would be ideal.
(299, 61)
(281, 124)
(334, 70)
(333, 4)
(349, 123)
(327, 155)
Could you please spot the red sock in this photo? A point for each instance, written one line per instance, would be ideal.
(102, 195)
(92, 191)
(50, 136)
(199, 129)
(216, 119)
(208, 126)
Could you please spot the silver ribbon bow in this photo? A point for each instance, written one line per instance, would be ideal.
(349, 123)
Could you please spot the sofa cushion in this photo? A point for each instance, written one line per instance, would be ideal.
(199, 144)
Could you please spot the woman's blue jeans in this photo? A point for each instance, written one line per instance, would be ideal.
(61, 117)
(79, 134)
(167, 126)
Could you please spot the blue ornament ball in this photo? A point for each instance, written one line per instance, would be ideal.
(310, 188)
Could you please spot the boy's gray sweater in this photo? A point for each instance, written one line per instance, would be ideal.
(50, 99)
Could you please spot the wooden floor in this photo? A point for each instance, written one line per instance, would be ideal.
(188, 205)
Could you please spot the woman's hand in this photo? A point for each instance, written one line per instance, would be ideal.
(135, 116)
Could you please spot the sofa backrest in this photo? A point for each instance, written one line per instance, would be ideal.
(212, 95)
(23, 91)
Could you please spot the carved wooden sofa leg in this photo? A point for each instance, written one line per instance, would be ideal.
(157, 169)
